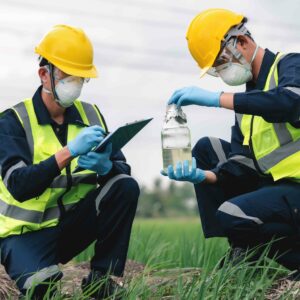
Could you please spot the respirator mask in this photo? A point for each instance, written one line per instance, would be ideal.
(67, 89)
(230, 64)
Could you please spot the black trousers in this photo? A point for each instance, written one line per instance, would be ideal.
(104, 216)
(249, 212)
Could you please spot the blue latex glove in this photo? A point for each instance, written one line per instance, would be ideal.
(97, 162)
(86, 140)
(194, 95)
(195, 175)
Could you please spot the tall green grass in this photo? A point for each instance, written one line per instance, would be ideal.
(174, 243)
(169, 243)
(165, 246)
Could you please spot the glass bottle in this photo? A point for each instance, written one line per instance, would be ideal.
(175, 138)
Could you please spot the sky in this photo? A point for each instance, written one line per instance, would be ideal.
(142, 58)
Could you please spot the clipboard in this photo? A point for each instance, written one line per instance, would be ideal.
(120, 137)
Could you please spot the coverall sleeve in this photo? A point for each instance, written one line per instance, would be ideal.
(281, 104)
(22, 179)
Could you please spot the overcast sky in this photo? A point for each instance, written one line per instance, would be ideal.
(142, 57)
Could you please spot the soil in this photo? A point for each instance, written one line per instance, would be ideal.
(73, 274)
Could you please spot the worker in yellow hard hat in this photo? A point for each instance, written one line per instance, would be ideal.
(247, 190)
(49, 213)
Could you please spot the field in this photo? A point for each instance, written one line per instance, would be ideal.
(170, 259)
(184, 265)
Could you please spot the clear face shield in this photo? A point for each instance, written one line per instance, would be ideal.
(60, 75)
(229, 53)
(230, 64)
(227, 56)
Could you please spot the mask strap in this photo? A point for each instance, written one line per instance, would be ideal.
(254, 54)
(51, 70)
(47, 91)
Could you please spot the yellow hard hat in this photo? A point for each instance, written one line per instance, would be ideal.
(69, 49)
(205, 33)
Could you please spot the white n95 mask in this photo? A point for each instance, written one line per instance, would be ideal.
(235, 73)
(68, 90)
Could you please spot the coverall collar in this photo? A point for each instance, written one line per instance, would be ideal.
(268, 60)
(72, 115)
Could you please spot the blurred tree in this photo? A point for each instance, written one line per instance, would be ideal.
(176, 199)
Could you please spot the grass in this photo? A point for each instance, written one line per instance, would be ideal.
(169, 244)
(174, 243)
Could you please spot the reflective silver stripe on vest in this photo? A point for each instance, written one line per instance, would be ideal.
(233, 210)
(61, 181)
(273, 158)
(239, 119)
(22, 111)
(18, 165)
(218, 149)
(282, 133)
(243, 160)
(32, 216)
(54, 212)
(41, 276)
(107, 187)
(272, 79)
(91, 113)
(18, 213)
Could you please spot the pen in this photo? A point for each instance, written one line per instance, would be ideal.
(79, 122)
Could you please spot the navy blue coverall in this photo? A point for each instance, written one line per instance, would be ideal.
(105, 215)
(247, 208)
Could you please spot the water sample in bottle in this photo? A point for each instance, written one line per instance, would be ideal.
(175, 138)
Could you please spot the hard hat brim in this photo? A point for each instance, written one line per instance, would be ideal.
(91, 73)
(204, 71)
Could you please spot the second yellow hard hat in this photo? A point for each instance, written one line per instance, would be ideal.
(206, 32)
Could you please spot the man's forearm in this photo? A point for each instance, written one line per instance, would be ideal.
(226, 100)
(63, 157)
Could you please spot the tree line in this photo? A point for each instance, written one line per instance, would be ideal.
(173, 200)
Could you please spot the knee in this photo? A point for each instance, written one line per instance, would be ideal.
(200, 152)
(129, 188)
(226, 221)
(234, 221)
(201, 146)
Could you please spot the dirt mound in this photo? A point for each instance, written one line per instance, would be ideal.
(73, 274)
(284, 289)
(7, 287)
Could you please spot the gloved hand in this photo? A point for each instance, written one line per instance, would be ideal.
(97, 162)
(87, 139)
(195, 95)
(195, 175)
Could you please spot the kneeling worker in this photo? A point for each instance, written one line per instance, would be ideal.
(247, 190)
(48, 214)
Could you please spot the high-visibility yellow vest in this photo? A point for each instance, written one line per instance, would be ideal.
(43, 211)
(275, 146)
